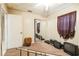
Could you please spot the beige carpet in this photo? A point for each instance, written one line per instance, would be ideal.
(15, 52)
(41, 46)
(12, 52)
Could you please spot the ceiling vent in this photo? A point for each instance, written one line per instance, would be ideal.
(29, 11)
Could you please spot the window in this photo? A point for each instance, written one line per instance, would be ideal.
(66, 25)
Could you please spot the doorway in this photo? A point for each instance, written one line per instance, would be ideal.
(37, 35)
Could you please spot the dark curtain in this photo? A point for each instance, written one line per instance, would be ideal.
(66, 25)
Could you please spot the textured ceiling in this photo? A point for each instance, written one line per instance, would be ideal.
(31, 7)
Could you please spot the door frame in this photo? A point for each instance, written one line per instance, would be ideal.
(35, 30)
(2, 29)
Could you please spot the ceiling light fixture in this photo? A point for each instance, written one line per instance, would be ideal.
(45, 4)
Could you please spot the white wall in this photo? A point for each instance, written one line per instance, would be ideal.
(52, 23)
(43, 29)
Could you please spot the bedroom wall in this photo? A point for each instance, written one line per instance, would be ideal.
(52, 23)
(43, 29)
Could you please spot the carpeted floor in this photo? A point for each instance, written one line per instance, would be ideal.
(40, 46)
(15, 52)
(12, 52)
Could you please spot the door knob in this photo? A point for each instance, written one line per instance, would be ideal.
(20, 32)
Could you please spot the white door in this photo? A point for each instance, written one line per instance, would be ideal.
(14, 31)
